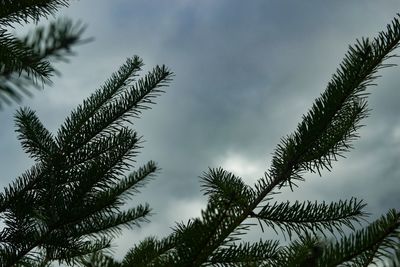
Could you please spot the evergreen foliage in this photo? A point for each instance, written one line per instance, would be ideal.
(325, 133)
(69, 203)
(68, 207)
(27, 61)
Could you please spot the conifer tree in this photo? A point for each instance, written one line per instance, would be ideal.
(67, 207)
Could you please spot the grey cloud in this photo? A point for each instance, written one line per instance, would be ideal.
(245, 72)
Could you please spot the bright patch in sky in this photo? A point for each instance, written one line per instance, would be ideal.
(396, 133)
(239, 165)
(184, 209)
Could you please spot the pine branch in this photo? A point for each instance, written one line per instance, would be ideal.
(73, 200)
(102, 170)
(98, 259)
(53, 42)
(247, 254)
(151, 253)
(72, 249)
(394, 260)
(25, 62)
(100, 117)
(35, 138)
(22, 188)
(112, 88)
(325, 133)
(370, 245)
(22, 11)
(17, 58)
(314, 217)
(93, 151)
(304, 252)
(199, 238)
(107, 226)
(129, 185)
(331, 124)
(221, 185)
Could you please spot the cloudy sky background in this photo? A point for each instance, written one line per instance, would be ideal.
(245, 72)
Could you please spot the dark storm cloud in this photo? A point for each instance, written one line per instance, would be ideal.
(245, 72)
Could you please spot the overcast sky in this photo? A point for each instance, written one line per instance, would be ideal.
(245, 72)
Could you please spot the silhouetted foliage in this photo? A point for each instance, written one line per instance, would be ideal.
(67, 207)
(325, 133)
(26, 61)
